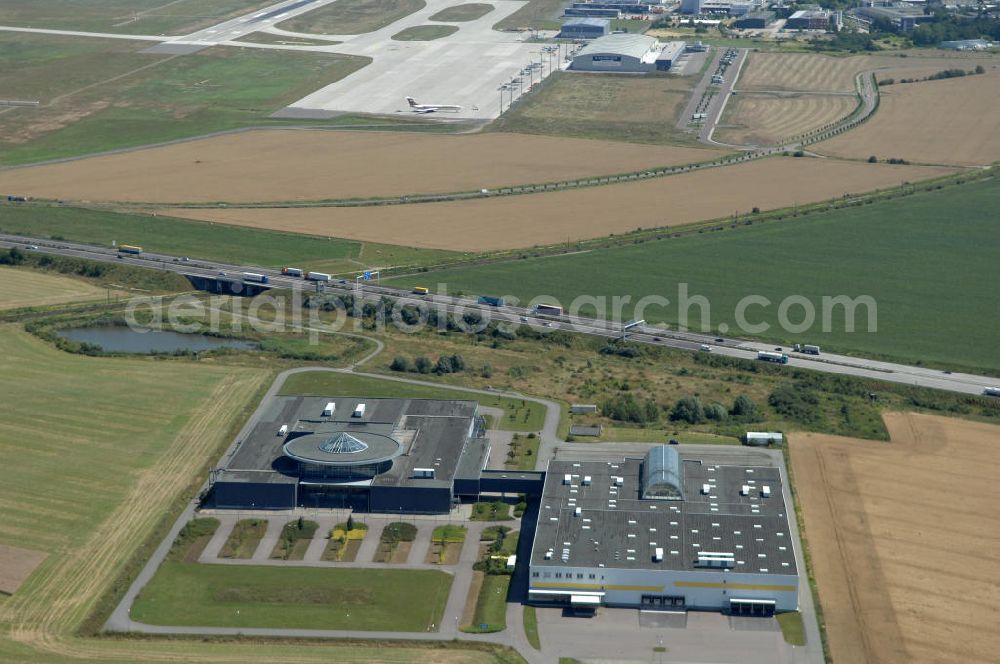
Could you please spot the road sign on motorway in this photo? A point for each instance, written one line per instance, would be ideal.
(367, 275)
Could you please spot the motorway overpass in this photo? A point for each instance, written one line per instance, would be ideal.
(830, 363)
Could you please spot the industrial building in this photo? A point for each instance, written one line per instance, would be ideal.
(902, 17)
(618, 53)
(371, 455)
(755, 20)
(667, 531)
(669, 54)
(584, 28)
(809, 19)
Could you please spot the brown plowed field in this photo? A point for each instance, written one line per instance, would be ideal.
(904, 540)
(759, 118)
(510, 222)
(287, 165)
(951, 121)
(16, 565)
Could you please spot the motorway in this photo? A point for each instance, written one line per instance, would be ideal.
(731, 347)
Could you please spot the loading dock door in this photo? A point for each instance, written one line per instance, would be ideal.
(752, 607)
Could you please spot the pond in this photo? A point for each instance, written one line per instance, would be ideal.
(115, 339)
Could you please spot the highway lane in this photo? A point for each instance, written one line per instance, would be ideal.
(684, 340)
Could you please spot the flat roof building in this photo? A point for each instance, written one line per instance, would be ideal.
(373, 455)
(669, 530)
(809, 19)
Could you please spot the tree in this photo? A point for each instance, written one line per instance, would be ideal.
(444, 365)
(423, 365)
(744, 408)
(873, 159)
(688, 409)
(457, 362)
(350, 522)
(400, 363)
(717, 412)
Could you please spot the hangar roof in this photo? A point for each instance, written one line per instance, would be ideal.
(635, 46)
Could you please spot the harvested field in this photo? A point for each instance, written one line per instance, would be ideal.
(518, 221)
(904, 539)
(16, 565)
(309, 165)
(28, 288)
(809, 72)
(761, 118)
(955, 119)
(800, 71)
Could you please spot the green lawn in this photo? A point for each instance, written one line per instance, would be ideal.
(522, 415)
(154, 17)
(491, 607)
(926, 259)
(425, 32)
(352, 17)
(198, 239)
(460, 13)
(101, 95)
(531, 627)
(792, 628)
(293, 597)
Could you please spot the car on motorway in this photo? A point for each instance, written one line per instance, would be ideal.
(524, 319)
(184, 259)
(778, 348)
(705, 348)
(657, 339)
(31, 246)
(222, 274)
(719, 340)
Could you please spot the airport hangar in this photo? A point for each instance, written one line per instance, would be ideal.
(666, 532)
(627, 53)
(418, 456)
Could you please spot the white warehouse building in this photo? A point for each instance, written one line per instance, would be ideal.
(668, 531)
(618, 53)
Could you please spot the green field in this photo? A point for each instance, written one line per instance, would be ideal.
(152, 17)
(198, 239)
(117, 441)
(521, 415)
(537, 14)
(583, 106)
(293, 597)
(95, 446)
(460, 13)
(101, 95)
(352, 17)
(425, 32)
(926, 259)
(29, 288)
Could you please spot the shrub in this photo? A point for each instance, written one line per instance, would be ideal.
(744, 408)
(688, 409)
(400, 363)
